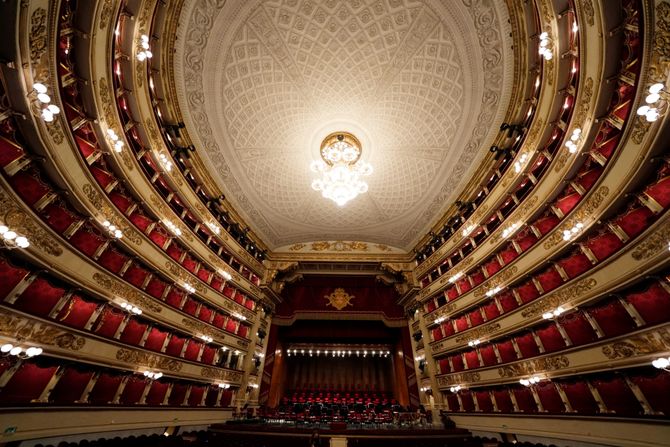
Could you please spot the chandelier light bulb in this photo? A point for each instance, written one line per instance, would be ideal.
(16, 350)
(643, 110)
(9, 235)
(652, 98)
(660, 363)
(39, 87)
(6, 348)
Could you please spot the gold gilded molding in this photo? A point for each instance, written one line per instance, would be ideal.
(126, 292)
(36, 332)
(563, 296)
(654, 243)
(99, 203)
(339, 246)
(13, 216)
(461, 378)
(183, 275)
(221, 374)
(339, 299)
(553, 363)
(643, 344)
(516, 215)
(106, 12)
(158, 142)
(166, 211)
(589, 12)
(496, 281)
(581, 112)
(140, 358)
(478, 332)
(203, 328)
(109, 116)
(584, 212)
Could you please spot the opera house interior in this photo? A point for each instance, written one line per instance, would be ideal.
(369, 223)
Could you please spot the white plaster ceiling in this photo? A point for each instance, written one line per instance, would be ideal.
(422, 84)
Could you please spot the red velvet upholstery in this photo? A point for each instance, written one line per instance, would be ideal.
(471, 359)
(588, 178)
(133, 391)
(212, 396)
(550, 337)
(488, 355)
(457, 363)
(108, 322)
(231, 325)
(508, 254)
(444, 366)
(120, 201)
(208, 355)
(29, 186)
(484, 401)
(140, 220)
(136, 275)
(155, 339)
(452, 400)
(175, 251)
(524, 399)
(155, 287)
(551, 400)
(604, 245)
(87, 239)
(26, 384)
(190, 306)
(503, 401)
(70, 386)
(104, 390)
(653, 304)
(192, 350)
(467, 401)
(655, 386)
(549, 279)
(174, 297)
(40, 297)
(205, 313)
(448, 328)
(156, 393)
(197, 393)
(219, 320)
(9, 151)
(660, 192)
(527, 345)
(578, 328)
(10, 276)
(506, 350)
(545, 224)
(492, 266)
(461, 324)
(525, 239)
(580, 397)
(58, 217)
(507, 301)
(490, 310)
(476, 318)
(178, 394)
(175, 346)
(133, 332)
(112, 260)
(77, 311)
(612, 318)
(617, 396)
(575, 264)
(635, 220)
(566, 203)
(527, 291)
(463, 285)
(189, 263)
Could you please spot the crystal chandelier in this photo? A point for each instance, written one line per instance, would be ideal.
(340, 168)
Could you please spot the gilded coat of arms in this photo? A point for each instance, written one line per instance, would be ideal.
(339, 299)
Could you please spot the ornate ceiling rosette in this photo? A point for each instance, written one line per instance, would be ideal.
(422, 84)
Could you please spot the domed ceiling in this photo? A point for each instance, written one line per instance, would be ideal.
(423, 84)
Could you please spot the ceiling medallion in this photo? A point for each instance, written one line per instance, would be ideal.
(340, 168)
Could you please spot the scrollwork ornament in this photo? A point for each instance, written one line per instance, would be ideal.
(125, 292)
(135, 357)
(553, 363)
(561, 297)
(655, 243)
(643, 344)
(221, 374)
(37, 332)
(15, 217)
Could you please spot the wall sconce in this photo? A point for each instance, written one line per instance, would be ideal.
(530, 381)
(43, 102)
(11, 239)
(574, 141)
(569, 234)
(473, 343)
(662, 363)
(172, 227)
(655, 103)
(143, 49)
(545, 46)
(553, 314)
(130, 308)
(115, 140)
(153, 375)
(165, 161)
(493, 291)
(112, 230)
(455, 389)
(23, 352)
(225, 386)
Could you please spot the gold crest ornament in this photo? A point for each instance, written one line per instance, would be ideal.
(339, 299)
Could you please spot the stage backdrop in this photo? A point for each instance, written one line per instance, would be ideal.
(369, 373)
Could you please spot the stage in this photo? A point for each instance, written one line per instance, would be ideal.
(258, 433)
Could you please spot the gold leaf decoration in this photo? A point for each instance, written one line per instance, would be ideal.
(562, 296)
(101, 205)
(461, 378)
(126, 292)
(478, 332)
(497, 281)
(37, 332)
(584, 212)
(552, 363)
(221, 374)
(643, 344)
(135, 357)
(653, 244)
(13, 216)
(339, 299)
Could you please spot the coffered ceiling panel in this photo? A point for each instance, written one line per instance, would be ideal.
(421, 83)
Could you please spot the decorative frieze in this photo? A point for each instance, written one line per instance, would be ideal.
(541, 365)
(132, 296)
(135, 357)
(558, 298)
(642, 344)
(36, 332)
